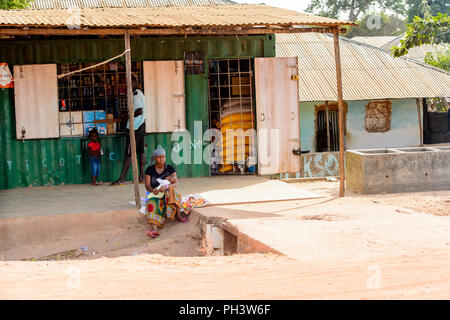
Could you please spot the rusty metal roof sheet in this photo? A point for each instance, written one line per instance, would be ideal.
(64, 4)
(368, 72)
(171, 16)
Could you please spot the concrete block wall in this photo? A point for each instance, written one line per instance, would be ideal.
(372, 171)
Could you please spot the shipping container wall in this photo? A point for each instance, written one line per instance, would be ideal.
(63, 160)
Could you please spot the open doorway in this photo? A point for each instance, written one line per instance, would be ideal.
(231, 111)
(328, 135)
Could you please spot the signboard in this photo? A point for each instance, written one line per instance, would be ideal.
(88, 119)
(194, 62)
(6, 79)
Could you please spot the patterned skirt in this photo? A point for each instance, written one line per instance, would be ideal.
(159, 209)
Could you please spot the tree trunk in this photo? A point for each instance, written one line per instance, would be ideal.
(351, 16)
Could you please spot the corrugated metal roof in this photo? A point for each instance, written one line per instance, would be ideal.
(63, 4)
(377, 41)
(386, 43)
(172, 16)
(417, 53)
(368, 72)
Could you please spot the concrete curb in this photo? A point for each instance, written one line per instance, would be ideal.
(234, 240)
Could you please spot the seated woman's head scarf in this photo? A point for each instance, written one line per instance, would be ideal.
(156, 153)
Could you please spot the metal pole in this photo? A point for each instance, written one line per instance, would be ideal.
(131, 120)
(337, 57)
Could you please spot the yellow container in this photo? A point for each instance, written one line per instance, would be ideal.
(237, 117)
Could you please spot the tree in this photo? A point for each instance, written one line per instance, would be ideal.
(425, 8)
(14, 4)
(352, 8)
(439, 59)
(378, 25)
(432, 30)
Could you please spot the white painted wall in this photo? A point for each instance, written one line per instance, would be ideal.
(404, 131)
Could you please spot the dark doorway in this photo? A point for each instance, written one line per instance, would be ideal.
(333, 125)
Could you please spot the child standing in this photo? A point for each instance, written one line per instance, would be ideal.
(94, 153)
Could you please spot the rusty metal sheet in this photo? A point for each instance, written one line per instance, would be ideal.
(169, 16)
(60, 4)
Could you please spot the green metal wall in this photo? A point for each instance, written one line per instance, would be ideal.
(63, 161)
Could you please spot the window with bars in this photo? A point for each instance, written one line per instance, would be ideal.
(327, 136)
(94, 98)
(231, 107)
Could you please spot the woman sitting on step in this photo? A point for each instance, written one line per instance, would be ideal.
(162, 200)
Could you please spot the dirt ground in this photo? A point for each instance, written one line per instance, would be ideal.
(176, 240)
(127, 265)
(433, 202)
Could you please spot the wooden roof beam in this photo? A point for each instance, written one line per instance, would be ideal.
(232, 30)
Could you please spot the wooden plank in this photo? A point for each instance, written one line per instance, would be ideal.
(131, 121)
(164, 96)
(235, 30)
(36, 101)
(277, 115)
(337, 57)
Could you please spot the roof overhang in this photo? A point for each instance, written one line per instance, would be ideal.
(186, 20)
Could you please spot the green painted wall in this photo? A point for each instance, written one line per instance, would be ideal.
(63, 160)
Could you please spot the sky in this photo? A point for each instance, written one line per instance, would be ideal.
(297, 5)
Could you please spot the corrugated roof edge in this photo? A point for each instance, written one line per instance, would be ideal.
(281, 17)
(33, 6)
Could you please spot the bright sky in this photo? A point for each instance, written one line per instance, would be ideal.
(297, 5)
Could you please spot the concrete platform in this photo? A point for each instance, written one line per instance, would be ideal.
(340, 229)
(56, 200)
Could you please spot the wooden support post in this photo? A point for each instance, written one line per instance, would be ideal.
(337, 57)
(131, 120)
(328, 126)
(420, 122)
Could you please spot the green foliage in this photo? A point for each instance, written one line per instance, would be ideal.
(426, 8)
(14, 4)
(352, 8)
(432, 30)
(389, 25)
(437, 105)
(439, 59)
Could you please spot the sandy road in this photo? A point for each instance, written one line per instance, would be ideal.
(402, 265)
(254, 276)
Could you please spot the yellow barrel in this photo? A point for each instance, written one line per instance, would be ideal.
(241, 145)
(237, 117)
(237, 125)
(226, 168)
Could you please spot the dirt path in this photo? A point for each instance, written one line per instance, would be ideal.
(133, 268)
(251, 276)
